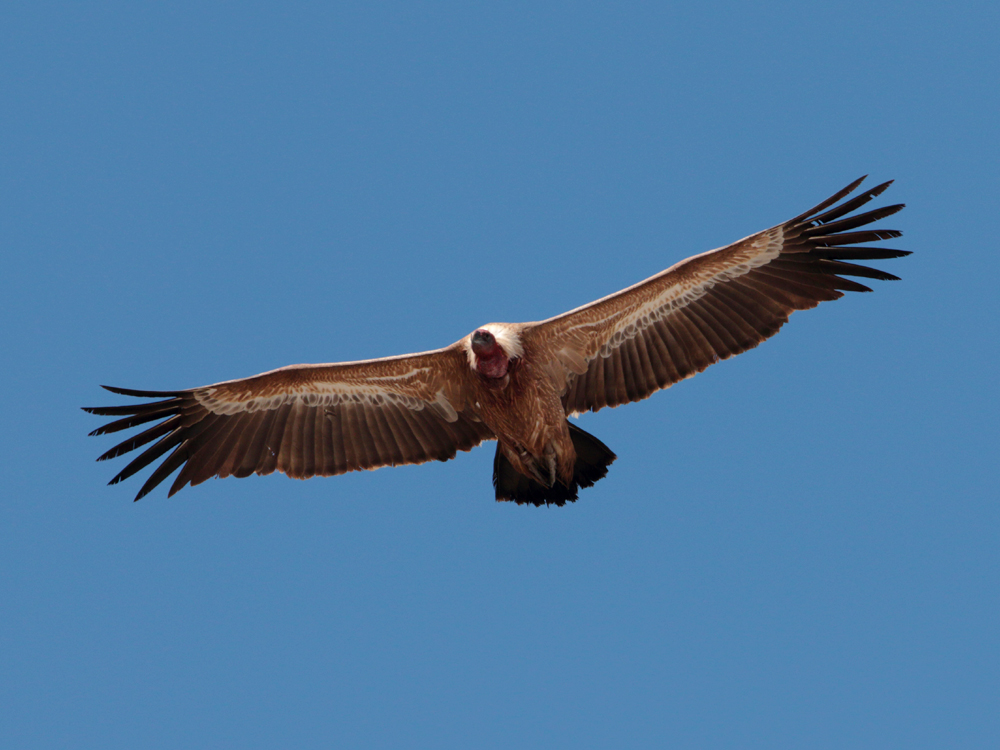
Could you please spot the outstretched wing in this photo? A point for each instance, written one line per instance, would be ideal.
(303, 420)
(709, 307)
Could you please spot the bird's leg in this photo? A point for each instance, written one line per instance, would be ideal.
(544, 472)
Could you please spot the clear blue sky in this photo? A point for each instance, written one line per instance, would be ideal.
(796, 548)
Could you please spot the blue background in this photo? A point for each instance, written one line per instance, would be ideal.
(798, 547)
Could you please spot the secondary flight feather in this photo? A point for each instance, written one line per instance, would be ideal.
(515, 383)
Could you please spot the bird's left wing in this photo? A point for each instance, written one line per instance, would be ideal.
(303, 420)
(709, 307)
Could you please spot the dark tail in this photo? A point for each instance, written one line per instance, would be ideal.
(592, 461)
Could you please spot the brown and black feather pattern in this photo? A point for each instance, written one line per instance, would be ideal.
(821, 247)
(296, 439)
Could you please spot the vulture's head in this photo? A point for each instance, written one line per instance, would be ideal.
(491, 350)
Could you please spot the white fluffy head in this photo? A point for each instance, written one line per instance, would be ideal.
(507, 337)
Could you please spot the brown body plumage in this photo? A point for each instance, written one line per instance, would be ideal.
(515, 383)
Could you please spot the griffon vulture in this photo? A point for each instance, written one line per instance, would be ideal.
(515, 383)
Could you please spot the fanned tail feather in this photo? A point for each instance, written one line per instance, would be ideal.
(592, 461)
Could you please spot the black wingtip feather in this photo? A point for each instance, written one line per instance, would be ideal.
(147, 436)
(164, 470)
(841, 268)
(858, 253)
(829, 201)
(852, 205)
(851, 222)
(824, 240)
(142, 394)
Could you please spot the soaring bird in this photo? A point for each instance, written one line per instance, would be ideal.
(515, 383)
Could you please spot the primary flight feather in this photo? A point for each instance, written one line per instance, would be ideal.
(515, 383)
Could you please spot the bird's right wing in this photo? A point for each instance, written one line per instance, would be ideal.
(628, 345)
(303, 420)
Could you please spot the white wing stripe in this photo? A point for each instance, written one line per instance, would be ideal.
(677, 297)
(320, 394)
